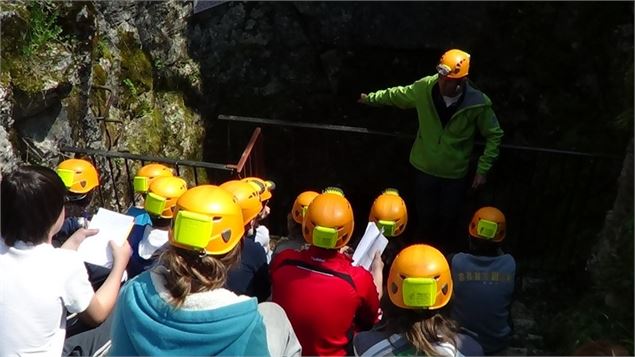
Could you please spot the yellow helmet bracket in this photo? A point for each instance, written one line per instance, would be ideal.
(486, 229)
(324, 237)
(141, 184)
(304, 209)
(387, 227)
(154, 204)
(192, 229)
(335, 190)
(419, 292)
(391, 191)
(67, 176)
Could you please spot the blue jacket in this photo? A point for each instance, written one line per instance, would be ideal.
(141, 217)
(482, 297)
(145, 324)
(251, 275)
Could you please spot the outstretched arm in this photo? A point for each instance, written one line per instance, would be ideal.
(401, 97)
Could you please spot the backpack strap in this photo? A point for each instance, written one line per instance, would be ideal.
(320, 270)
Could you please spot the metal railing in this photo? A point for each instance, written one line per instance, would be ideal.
(251, 161)
(555, 201)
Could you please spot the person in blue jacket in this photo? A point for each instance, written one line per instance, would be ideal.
(251, 276)
(180, 307)
(484, 282)
(148, 240)
(141, 184)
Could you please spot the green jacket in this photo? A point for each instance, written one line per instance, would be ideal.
(445, 152)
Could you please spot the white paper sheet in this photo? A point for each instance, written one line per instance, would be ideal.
(372, 241)
(112, 226)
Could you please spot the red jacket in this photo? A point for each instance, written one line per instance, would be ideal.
(325, 297)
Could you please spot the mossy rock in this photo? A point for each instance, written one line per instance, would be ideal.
(99, 96)
(169, 129)
(136, 66)
(35, 56)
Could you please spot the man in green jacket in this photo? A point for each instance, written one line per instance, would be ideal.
(450, 111)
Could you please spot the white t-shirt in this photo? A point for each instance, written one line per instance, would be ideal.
(262, 238)
(152, 240)
(38, 285)
(451, 100)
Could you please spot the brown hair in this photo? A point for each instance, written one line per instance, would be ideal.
(422, 328)
(294, 229)
(189, 272)
(32, 201)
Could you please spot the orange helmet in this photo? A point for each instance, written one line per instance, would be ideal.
(79, 176)
(328, 222)
(454, 64)
(162, 196)
(420, 278)
(488, 223)
(301, 203)
(389, 213)
(247, 196)
(147, 174)
(208, 220)
(264, 187)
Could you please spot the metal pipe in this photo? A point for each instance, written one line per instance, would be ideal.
(352, 129)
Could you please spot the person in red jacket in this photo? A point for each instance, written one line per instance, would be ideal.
(326, 298)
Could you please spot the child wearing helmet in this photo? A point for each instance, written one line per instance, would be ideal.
(41, 284)
(294, 239)
(141, 184)
(259, 232)
(180, 305)
(484, 282)
(81, 179)
(419, 286)
(324, 295)
(159, 203)
(251, 275)
(389, 213)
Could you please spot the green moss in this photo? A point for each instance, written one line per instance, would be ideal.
(73, 110)
(101, 49)
(42, 28)
(31, 45)
(169, 129)
(33, 74)
(99, 96)
(99, 75)
(135, 76)
(135, 63)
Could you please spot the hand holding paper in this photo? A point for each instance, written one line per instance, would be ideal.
(372, 241)
(112, 226)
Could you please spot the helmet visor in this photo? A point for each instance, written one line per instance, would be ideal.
(141, 184)
(487, 229)
(154, 204)
(324, 237)
(192, 229)
(67, 176)
(419, 292)
(387, 227)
